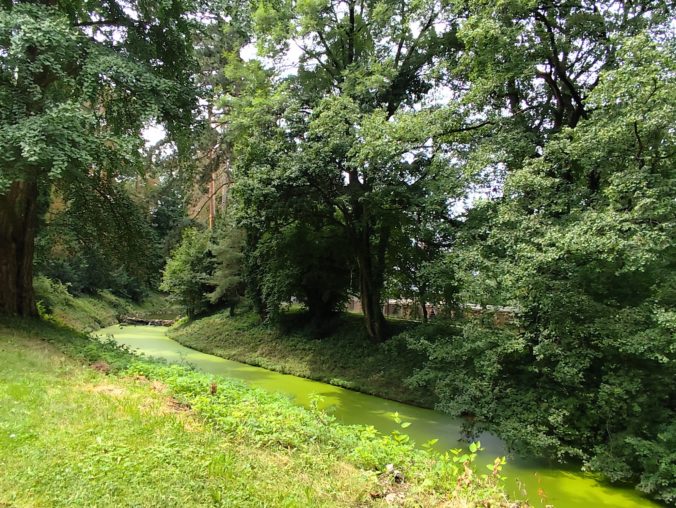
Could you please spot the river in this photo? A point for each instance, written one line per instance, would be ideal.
(563, 488)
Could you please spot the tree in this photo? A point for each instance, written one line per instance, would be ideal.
(188, 274)
(89, 243)
(304, 263)
(352, 144)
(81, 79)
(528, 68)
(581, 244)
(227, 278)
(168, 212)
(421, 260)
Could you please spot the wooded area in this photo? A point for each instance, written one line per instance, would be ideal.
(516, 154)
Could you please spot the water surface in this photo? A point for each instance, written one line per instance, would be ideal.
(544, 484)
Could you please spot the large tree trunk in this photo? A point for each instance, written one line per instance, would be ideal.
(370, 299)
(18, 226)
(370, 269)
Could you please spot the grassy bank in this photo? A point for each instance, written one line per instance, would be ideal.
(344, 358)
(91, 312)
(130, 432)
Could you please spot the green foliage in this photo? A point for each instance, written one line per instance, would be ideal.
(205, 270)
(303, 263)
(93, 244)
(66, 115)
(338, 144)
(86, 313)
(582, 246)
(82, 80)
(270, 420)
(348, 172)
(187, 274)
(167, 204)
(227, 278)
(655, 458)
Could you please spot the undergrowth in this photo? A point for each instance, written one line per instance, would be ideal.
(91, 312)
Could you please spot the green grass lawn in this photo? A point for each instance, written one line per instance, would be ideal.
(72, 436)
(343, 357)
(85, 424)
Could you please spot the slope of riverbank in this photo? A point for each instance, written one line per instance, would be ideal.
(131, 432)
(91, 312)
(541, 482)
(345, 357)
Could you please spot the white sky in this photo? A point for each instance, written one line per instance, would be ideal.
(248, 52)
(153, 134)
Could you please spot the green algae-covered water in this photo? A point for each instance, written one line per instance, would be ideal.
(543, 484)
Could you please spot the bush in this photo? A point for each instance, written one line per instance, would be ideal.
(188, 272)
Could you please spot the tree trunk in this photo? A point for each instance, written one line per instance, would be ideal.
(18, 226)
(370, 269)
(370, 300)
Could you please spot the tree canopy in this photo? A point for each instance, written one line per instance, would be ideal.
(512, 158)
(79, 82)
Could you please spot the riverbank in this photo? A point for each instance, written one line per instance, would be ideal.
(541, 483)
(133, 432)
(344, 358)
(88, 313)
